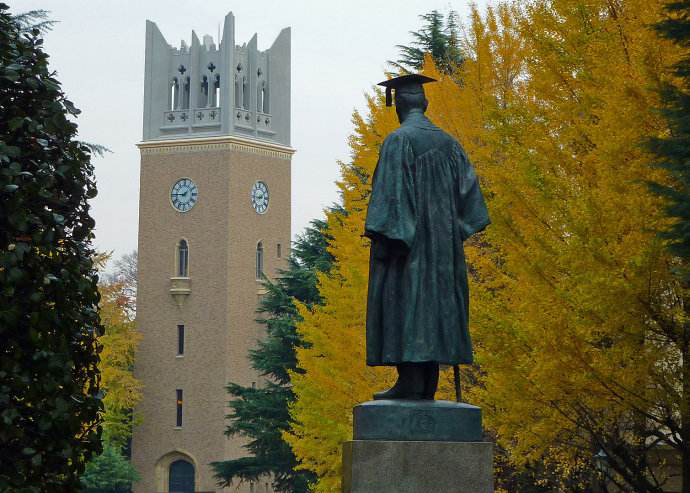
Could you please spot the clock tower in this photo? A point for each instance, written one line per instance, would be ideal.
(214, 218)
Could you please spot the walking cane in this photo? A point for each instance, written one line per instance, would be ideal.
(458, 390)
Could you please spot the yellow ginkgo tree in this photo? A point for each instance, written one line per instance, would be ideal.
(336, 377)
(121, 390)
(575, 313)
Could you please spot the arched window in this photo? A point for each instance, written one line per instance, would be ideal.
(181, 477)
(262, 98)
(260, 260)
(245, 93)
(265, 99)
(182, 259)
(185, 94)
(174, 94)
(216, 94)
(203, 103)
(238, 93)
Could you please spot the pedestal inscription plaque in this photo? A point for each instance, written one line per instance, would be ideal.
(408, 420)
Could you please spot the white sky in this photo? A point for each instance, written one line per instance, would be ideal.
(339, 51)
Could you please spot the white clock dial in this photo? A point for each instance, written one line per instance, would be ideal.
(184, 194)
(260, 197)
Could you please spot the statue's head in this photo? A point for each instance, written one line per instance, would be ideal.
(409, 100)
(409, 93)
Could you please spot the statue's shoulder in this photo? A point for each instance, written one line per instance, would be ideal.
(445, 139)
(397, 137)
(426, 127)
(440, 133)
(425, 136)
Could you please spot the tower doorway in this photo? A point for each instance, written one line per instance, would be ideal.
(181, 477)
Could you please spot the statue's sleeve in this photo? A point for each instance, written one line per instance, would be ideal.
(391, 212)
(474, 216)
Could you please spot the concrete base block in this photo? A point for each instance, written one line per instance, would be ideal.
(371, 466)
(419, 420)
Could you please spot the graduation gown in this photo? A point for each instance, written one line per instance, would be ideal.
(425, 202)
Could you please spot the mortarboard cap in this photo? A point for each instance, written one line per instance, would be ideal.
(411, 83)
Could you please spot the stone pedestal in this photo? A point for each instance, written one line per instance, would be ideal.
(442, 421)
(372, 466)
(403, 446)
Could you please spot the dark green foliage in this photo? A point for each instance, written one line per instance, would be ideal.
(261, 414)
(49, 381)
(673, 151)
(109, 472)
(34, 19)
(673, 154)
(439, 38)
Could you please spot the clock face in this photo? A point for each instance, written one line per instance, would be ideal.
(184, 194)
(260, 197)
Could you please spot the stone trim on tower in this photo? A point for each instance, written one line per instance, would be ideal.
(216, 144)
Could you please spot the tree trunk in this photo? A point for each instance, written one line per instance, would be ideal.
(685, 411)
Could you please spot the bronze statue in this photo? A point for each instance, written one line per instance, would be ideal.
(425, 202)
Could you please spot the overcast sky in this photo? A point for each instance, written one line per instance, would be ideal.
(339, 51)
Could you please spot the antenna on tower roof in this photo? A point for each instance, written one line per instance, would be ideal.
(218, 38)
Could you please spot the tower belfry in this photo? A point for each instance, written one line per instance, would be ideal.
(214, 221)
(217, 89)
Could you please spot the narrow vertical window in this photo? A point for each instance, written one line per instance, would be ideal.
(279, 252)
(260, 99)
(238, 93)
(174, 94)
(203, 103)
(260, 260)
(179, 408)
(245, 93)
(180, 340)
(185, 94)
(182, 259)
(216, 87)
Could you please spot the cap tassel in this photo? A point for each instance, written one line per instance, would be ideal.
(389, 96)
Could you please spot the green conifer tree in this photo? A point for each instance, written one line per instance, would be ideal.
(673, 155)
(261, 414)
(673, 151)
(438, 37)
(109, 472)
